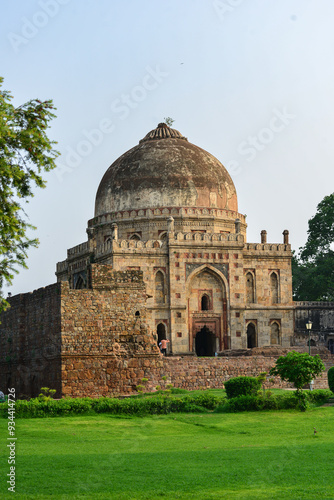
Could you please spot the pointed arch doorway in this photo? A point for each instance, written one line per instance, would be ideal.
(207, 311)
(161, 332)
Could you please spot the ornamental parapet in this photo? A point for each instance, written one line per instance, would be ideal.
(267, 247)
(80, 249)
(112, 246)
(62, 267)
(314, 304)
(191, 212)
(207, 237)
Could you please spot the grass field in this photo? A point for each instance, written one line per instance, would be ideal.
(262, 455)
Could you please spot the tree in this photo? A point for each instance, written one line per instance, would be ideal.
(313, 267)
(25, 152)
(299, 368)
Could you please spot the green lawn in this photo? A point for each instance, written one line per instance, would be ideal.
(262, 455)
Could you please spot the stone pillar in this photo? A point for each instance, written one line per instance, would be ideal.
(114, 231)
(285, 237)
(263, 236)
(237, 223)
(170, 225)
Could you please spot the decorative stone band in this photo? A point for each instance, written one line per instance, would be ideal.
(164, 212)
(267, 247)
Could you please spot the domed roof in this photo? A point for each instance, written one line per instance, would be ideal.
(165, 170)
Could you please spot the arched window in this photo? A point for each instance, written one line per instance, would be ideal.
(135, 237)
(274, 333)
(251, 336)
(274, 288)
(159, 288)
(250, 295)
(79, 284)
(205, 302)
(163, 236)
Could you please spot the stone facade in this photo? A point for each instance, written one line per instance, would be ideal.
(169, 209)
(166, 257)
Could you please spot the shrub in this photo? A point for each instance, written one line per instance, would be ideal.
(290, 401)
(242, 386)
(298, 367)
(318, 396)
(330, 376)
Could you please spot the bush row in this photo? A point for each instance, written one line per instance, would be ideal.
(162, 404)
(288, 401)
(128, 406)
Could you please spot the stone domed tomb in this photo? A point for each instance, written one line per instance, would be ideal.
(169, 209)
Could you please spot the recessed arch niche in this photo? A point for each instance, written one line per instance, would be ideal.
(207, 311)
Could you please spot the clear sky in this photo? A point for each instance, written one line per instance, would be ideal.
(250, 81)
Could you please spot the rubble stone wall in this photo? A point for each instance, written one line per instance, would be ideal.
(202, 373)
(30, 342)
(106, 347)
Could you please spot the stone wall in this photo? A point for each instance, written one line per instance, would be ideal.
(95, 342)
(202, 373)
(106, 346)
(30, 342)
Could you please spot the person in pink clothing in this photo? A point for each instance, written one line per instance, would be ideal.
(163, 346)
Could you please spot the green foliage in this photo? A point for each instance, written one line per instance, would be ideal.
(318, 396)
(330, 376)
(169, 121)
(46, 394)
(287, 401)
(298, 368)
(242, 386)
(161, 404)
(313, 267)
(252, 402)
(25, 152)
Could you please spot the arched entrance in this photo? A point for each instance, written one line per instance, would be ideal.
(205, 342)
(207, 307)
(161, 332)
(251, 336)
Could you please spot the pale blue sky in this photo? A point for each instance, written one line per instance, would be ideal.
(251, 81)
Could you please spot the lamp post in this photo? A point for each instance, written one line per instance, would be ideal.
(309, 327)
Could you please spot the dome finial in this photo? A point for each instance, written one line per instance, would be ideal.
(163, 131)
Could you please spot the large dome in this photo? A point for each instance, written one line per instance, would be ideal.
(165, 170)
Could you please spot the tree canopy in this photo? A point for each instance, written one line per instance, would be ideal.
(313, 266)
(299, 368)
(25, 153)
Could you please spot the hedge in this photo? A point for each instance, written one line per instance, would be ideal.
(330, 376)
(163, 404)
(242, 386)
(251, 402)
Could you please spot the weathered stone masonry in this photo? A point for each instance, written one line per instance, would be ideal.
(81, 342)
(96, 342)
(166, 257)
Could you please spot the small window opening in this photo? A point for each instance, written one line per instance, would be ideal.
(205, 303)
